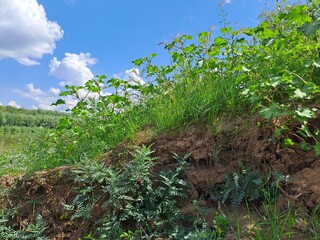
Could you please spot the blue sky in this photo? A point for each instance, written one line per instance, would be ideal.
(46, 44)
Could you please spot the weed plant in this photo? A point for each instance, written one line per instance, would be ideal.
(137, 202)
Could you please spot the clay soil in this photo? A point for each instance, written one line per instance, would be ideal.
(214, 153)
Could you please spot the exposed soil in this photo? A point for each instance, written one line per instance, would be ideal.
(214, 153)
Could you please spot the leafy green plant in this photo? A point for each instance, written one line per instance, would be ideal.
(32, 231)
(238, 187)
(221, 226)
(132, 195)
(283, 76)
(131, 235)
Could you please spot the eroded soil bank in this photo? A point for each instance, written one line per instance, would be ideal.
(214, 153)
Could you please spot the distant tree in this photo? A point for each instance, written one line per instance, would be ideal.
(2, 118)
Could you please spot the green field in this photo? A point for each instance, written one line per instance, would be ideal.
(7, 142)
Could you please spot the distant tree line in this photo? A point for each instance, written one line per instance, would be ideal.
(10, 116)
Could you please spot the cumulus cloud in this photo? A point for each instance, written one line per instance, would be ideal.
(73, 69)
(0, 103)
(43, 99)
(25, 32)
(13, 104)
(54, 91)
(133, 76)
(35, 91)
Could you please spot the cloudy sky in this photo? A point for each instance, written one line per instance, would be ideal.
(47, 44)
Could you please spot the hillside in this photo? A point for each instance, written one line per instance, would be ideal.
(223, 143)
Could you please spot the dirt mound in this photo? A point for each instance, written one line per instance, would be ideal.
(241, 142)
(213, 153)
(45, 193)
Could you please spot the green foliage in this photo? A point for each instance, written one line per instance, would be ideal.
(283, 69)
(130, 235)
(10, 116)
(34, 231)
(221, 226)
(135, 195)
(238, 187)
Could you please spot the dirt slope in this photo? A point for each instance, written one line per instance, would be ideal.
(214, 153)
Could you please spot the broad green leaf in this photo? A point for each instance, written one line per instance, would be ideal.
(308, 29)
(59, 102)
(316, 64)
(138, 62)
(188, 37)
(65, 93)
(226, 30)
(203, 37)
(305, 112)
(245, 69)
(299, 94)
(245, 92)
(278, 132)
(200, 63)
(219, 41)
(189, 49)
(275, 81)
(271, 111)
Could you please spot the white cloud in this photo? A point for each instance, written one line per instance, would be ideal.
(35, 91)
(27, 61)
(133, 76)
(13, 104)
(25, 32)
(43, 99)
(0, 103)
(54, 91)
(73, 69)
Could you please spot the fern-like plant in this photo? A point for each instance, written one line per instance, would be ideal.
(238, 187)
(134, 197)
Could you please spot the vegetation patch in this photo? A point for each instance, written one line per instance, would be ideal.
(232, 126)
